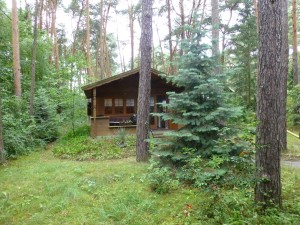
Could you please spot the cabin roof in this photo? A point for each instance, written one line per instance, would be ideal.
(116, 77)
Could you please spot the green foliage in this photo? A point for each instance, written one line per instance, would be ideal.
(121, 137)
(242, 56)
(45, 117)
(78, 145)
(18, 130)
(293, 106)
(206, 150)
(116, 192)
(161, 179)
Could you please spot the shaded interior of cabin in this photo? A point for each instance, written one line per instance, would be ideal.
(112, 103)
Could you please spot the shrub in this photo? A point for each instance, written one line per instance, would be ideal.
(19, 130)
(293, 106)
(78, 145)
(45, 118)
(161, 179)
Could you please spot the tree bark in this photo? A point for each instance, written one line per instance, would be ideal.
(284, 77)
(131, 28)
(122, 63)
(161, 50)
(171, 67)
(33, 61)
(101, 41)
(2, 152)
(104, 61)
(295, 43)
(182, 23)
(41, 15)
(77, 29)
(256, 13)
(271, 83)
(88, 52)
(215, 32)
(142, 146)
(16, 50)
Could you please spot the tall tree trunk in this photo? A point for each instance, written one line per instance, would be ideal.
(142, 146)
(215, 33)
(249, 94)
(107, 61)
(2, 152)
(41, 15)
(295, 43)
(120, 52)
(32, 86)
(270, 88)
(88, 52)
(47, 16)
(161, 50)
(284, 77)
(182, 23)
(203, 11)
(16, 50)
(171, 67)
(131, 28)
(77, 29)
(54, 34)
(105, 70)
(256, 13)
(102, 38)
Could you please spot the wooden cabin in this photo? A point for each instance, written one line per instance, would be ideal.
(112, 103)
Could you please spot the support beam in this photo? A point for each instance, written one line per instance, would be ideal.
(94, 112)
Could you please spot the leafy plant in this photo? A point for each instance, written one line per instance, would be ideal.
(79, 145)
(161, 179)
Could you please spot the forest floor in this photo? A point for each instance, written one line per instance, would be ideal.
(42, 189)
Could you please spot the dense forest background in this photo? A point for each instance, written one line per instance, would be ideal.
(57, 59)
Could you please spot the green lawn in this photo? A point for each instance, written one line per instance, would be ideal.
(41, 189)
(293, 148)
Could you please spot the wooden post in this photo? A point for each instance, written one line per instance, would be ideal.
(94, 112)
(155, 110)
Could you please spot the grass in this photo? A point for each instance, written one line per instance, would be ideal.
(41, 189)
(293, 148)
(85, 181)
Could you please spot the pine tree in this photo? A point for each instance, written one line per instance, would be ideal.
(142, 146)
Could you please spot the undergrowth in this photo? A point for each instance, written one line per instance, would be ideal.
(78, 145)
(42, 189)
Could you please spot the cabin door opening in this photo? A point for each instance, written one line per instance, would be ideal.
(161, 124)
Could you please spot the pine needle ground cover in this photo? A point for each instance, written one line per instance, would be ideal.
(43, 189)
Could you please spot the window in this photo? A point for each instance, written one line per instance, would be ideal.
(130, 105)
(152, 110)
(89, 107)
(118, 106)
(108, 106)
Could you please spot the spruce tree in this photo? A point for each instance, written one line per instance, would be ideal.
(199, 109)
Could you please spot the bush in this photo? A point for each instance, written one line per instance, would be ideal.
(19, 130)
(161, 179)
(22, 133)
(293, 106)
(78, 145)
(45, 118)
